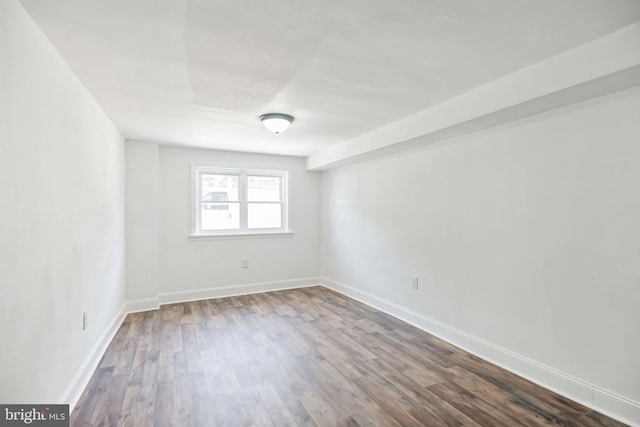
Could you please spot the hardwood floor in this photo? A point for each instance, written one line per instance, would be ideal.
(303, 357)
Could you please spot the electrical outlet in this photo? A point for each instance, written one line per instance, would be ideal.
(85, 321)
(244, 263)
(414, 282)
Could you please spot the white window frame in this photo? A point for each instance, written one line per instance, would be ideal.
(197, 169)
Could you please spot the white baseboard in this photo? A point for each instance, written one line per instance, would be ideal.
(145, 304)
(234, 290)
(74, 390)
(79, 382)
(575, 389)
(590, 395)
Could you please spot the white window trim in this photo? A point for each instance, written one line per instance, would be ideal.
(196, 233)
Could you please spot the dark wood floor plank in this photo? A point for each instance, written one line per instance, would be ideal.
(500, 399)
(473, 406)
(304, 357)
(598, 420)
(279, 413)
(450, 416)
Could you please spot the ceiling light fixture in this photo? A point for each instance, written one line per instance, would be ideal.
(276, 122)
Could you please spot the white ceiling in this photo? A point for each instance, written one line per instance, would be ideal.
(200, 72)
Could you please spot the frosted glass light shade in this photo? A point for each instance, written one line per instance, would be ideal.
(276, 122)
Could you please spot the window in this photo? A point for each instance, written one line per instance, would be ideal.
(235, 201)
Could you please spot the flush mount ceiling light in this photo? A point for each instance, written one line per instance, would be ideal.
(276, 122)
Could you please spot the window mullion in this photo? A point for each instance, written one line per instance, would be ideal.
(283, 196)
(198, 196)
(213, 207)
(244, 215)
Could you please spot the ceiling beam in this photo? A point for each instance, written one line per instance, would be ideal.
(603, 66)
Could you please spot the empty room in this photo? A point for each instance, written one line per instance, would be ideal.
(339, 213)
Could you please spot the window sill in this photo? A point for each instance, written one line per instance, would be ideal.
(240, 235)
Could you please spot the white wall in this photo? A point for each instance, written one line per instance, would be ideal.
(608, 64)
(61, 217)
(142, 174)
(189, 268)
(526, 236)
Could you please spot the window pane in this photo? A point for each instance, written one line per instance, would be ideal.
(219, 188)
(263, 188)
(264, 215)
(220, 216)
